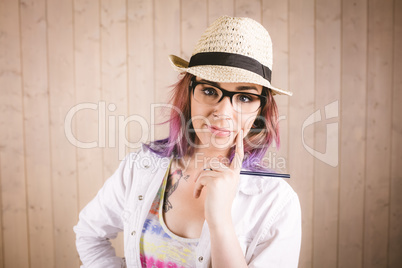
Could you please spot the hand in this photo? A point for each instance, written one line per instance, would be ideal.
(221, 185)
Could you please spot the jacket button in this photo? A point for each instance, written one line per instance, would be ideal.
(200, 259)
(140, 197)
(133, 233)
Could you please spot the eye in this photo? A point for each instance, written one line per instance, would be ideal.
(209, 91)
(245, 98)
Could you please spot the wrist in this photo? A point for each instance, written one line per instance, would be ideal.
(221, 228)
(225, 247)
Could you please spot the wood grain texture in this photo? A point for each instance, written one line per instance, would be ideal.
(248, 8)
(301, 106)
(71, 59)
(167, 40)
(87, 96)
(140, 70)
(37, 137)
(114, 88)
(14, 212)
(275, 19)
(395, 230)
(220, 8)
(63, 162)
(192, 26)
(352, 133)
(114, 81)
(379, 119)
(326, 134)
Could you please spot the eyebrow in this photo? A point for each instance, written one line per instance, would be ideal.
(216, 84)
(247, 88)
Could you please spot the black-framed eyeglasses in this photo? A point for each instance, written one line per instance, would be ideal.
(242, 102)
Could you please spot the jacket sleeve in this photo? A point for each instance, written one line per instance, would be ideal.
(100, 221)
(279, 244)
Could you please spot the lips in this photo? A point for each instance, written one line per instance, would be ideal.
(219, 132)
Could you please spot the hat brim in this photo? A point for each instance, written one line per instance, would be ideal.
(224, 74)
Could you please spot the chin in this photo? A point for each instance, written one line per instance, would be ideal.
(219, 143)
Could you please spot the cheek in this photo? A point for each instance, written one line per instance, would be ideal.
(246, 123)
(198, 115)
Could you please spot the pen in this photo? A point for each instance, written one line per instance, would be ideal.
(260, 173)
(265, 174)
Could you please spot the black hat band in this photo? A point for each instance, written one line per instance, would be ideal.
(231, 60)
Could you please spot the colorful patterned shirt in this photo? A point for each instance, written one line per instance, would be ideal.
(159, 247)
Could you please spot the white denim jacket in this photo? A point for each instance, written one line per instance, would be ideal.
(266, 214)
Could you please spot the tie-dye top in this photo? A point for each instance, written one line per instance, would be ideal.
(161, 248)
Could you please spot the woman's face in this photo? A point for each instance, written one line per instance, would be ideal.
(216, 123)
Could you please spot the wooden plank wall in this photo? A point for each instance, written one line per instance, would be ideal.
(353, 124)
(93, 64)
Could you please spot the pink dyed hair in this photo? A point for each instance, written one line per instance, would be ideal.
(265, 128)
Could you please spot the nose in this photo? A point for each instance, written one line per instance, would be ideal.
(224, 108)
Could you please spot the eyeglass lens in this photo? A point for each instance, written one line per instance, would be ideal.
(242, 102)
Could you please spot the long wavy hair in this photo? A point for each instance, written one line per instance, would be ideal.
(264, 131)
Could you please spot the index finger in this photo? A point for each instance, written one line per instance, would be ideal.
(239, 152)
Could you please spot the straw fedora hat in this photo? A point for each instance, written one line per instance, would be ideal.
(232, 50)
